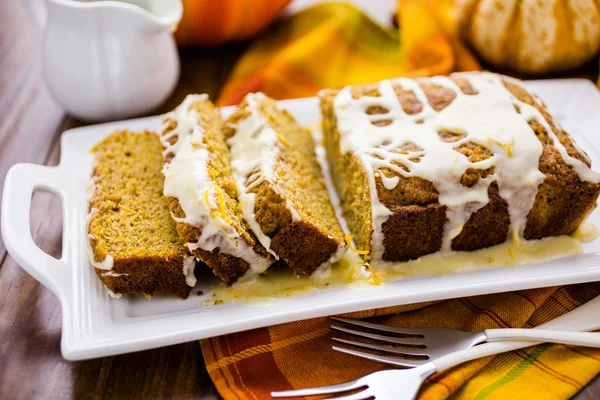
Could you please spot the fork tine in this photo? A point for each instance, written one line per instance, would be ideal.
(404, 352)
(382, 359)
(356, 396)
(390, 339)
(379, 327)
(339, 388)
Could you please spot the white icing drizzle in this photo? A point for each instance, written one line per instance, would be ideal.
(187, 179)
(323, 271)
(113, 294)
(106, 264)
(585, 173)
(189, 264)
(389, 182)
(108, 261)
(488, 118)
(254, 152)
(187, 123)
(113, 274)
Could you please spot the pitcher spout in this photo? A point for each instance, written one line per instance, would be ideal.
(149, 14)
(153, 15)
(167, 13)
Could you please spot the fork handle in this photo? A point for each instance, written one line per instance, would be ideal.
(583, 318)
(543, 335)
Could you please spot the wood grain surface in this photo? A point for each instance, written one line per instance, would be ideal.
(30, 317)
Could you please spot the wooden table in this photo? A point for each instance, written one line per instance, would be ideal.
(31, 123)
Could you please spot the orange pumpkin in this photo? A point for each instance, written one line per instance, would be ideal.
(532, 36)
(213, 22)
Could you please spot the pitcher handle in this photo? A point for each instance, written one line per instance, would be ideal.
(38, 11)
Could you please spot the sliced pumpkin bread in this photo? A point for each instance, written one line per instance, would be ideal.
(281, 188)
(134, 246)
(203, 195)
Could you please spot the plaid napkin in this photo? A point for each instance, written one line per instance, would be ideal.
(331, 45)
(249, 365)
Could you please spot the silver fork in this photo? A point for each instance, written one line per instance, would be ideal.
(401, 384)
(426, 343)
(404, 384)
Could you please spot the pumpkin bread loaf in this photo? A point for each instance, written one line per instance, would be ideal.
(281, 188)
(453, 163)
(203, 195)
(134, 246)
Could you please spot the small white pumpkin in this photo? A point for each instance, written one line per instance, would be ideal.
(532, 36)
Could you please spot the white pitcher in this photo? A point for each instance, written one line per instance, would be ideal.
(108, 60)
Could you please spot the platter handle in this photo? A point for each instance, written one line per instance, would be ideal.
(21, 182)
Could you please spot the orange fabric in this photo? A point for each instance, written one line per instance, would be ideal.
(332, 45)
(335, 44)
(249, 365)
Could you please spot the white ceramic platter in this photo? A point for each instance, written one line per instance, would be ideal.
(96, 325)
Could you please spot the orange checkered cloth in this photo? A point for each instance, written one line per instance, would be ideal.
(332, 45)
(249, 365)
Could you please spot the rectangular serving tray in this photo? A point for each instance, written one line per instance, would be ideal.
(95, 325)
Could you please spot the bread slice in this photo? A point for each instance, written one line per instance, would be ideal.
(202, 193)
(281, 188)
(134, 245)
(453, 163)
